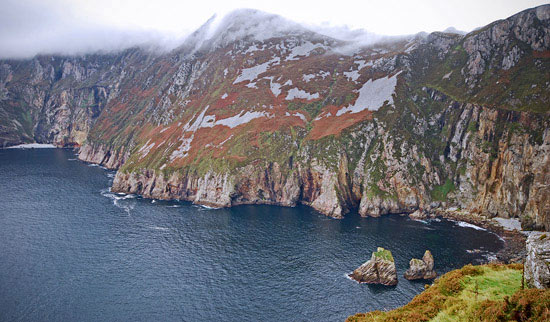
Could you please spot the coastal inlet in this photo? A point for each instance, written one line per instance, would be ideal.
(72, 250)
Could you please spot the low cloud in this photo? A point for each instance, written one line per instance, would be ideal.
(31, 27)
(28, 28)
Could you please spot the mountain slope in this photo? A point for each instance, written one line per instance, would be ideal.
(261, 110)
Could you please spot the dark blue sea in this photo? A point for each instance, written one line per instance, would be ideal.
(72, 251)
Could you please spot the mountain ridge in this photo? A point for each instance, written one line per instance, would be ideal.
(427, 123)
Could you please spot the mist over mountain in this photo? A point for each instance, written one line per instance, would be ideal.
(28, 29)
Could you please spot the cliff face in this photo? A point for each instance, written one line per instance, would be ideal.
(423, 122)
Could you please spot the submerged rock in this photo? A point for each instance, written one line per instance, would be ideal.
(380, 269)
(421, 269)
(537, 263)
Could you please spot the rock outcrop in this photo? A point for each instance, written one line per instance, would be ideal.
(421, 268)
(380, 269)
(537, 263)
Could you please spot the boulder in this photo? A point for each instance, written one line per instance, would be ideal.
(421, 268)
(380, 269)
(418, 215)
(537, 263)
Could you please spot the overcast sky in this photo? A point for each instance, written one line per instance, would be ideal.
(28, 27)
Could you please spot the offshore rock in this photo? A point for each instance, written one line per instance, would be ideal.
(421, 268)
(380, 269)
(537, 263)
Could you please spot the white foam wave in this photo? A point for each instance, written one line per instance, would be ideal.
(97, 165)
(490, 257)
(465, 224)
(468, 225)
(420, 220)
(209, 208)
(32, 146)
(159, 228)
(119, 200)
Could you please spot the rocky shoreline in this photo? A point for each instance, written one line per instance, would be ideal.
(514, 241)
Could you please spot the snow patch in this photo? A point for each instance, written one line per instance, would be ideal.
(353, 75)
(363, 63)
(308, 77)
(324, 74)
(372, 95)
(209, 121)
(252, 73)
(299, 93)
(251, 49)
(297, 114)
(275, 88)
(146, 148)
(303, 50)
(241, 118)
(181, 151)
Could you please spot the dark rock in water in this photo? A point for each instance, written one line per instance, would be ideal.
(421, 269)
(380, 269)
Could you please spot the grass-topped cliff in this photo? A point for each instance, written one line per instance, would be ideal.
(473, 293)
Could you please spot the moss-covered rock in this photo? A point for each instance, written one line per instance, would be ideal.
(380, 269)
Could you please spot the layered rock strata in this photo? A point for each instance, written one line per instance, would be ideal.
(421, 268)
(380, 269)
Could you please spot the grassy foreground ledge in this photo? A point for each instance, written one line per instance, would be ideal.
(473, 293)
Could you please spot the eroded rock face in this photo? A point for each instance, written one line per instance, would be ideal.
(421, 269)
(537, 263)
(103, 155)
(248, 185)
(380, 269)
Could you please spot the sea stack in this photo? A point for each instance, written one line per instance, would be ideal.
(421, 269)
(380, 269)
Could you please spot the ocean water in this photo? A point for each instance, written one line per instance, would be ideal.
(72, 251)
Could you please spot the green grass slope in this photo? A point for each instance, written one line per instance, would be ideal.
(474, 293)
